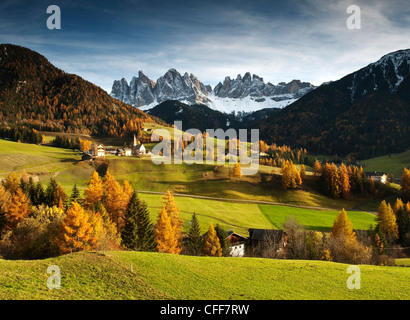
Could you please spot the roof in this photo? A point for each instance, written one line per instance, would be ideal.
(138, 146)
(260, 234)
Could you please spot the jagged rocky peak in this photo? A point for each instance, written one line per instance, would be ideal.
(143, 91)
(247, 89)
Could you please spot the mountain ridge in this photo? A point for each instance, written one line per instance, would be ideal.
(246, 94)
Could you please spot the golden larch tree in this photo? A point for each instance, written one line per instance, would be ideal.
(165, 236)
(237, 170)
(212, 245)
(77, 232)
(18, 209)
(387, 222)
(115, 200)
(94, 192)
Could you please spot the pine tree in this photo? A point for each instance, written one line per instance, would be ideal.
(222, 235)
(129, 233)
(194, 241)
(50, 192)
(75, 195)
(165, 235)
(94, 192)
(145, 229)
(77, 232)
(402, 219)
(212, 246)
(387, 222)
(237, 170)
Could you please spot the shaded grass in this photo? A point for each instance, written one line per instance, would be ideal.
(156, 276)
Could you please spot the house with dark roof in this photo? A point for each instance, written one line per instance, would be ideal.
(261, 238)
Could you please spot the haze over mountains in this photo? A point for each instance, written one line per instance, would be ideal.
(246, 94)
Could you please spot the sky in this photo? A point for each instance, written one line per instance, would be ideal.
(309, 40)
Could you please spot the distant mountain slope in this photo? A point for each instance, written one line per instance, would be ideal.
(366, 113)
(36, 93)
(196, 116)
(243, 94)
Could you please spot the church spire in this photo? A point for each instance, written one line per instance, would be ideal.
(135, 141)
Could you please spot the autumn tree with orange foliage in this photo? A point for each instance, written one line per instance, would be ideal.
(94, 192)
(167, 240)
(114, 200)
(173, 212)
(212, 245)
(77, 231)
(290, 176)
(18, 209)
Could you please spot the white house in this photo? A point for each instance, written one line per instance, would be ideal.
(101, 150)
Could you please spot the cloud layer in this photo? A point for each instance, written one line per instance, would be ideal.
(280, 41)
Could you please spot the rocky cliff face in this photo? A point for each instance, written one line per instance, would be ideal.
(247, 93)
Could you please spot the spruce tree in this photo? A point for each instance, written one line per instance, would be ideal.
(129, 233)
(194, 241)
(145, 229)
(75, 195)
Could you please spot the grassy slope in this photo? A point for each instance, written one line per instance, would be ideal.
(164, 276)
(392, 164)
(65, 166)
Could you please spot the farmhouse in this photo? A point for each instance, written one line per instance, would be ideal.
(237, 243)
(124, 152)
(377, 176)
(101, 150)
(260, 238)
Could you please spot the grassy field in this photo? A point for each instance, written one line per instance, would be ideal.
(65, 166)
(158, 276)
(392, 164)
(241, 216)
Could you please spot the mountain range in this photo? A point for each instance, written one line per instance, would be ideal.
(242, 94)
(365, 113)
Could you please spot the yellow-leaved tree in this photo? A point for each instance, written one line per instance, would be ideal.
(165, 235)
(115, 200)
(212, 245)
(237, 170)
(18, 209)
(77, 232)
(173, 213)
(387, 222)
(94, 192)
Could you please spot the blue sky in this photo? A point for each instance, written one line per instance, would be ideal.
(102, 41)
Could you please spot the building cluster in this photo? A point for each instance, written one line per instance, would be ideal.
(100, 151)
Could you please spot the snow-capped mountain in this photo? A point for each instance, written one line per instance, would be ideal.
(245, 94)
(386, 74)
(365, 114)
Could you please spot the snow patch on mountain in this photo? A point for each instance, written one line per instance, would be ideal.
(242, 94)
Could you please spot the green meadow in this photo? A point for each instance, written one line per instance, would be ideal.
(97, 276)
